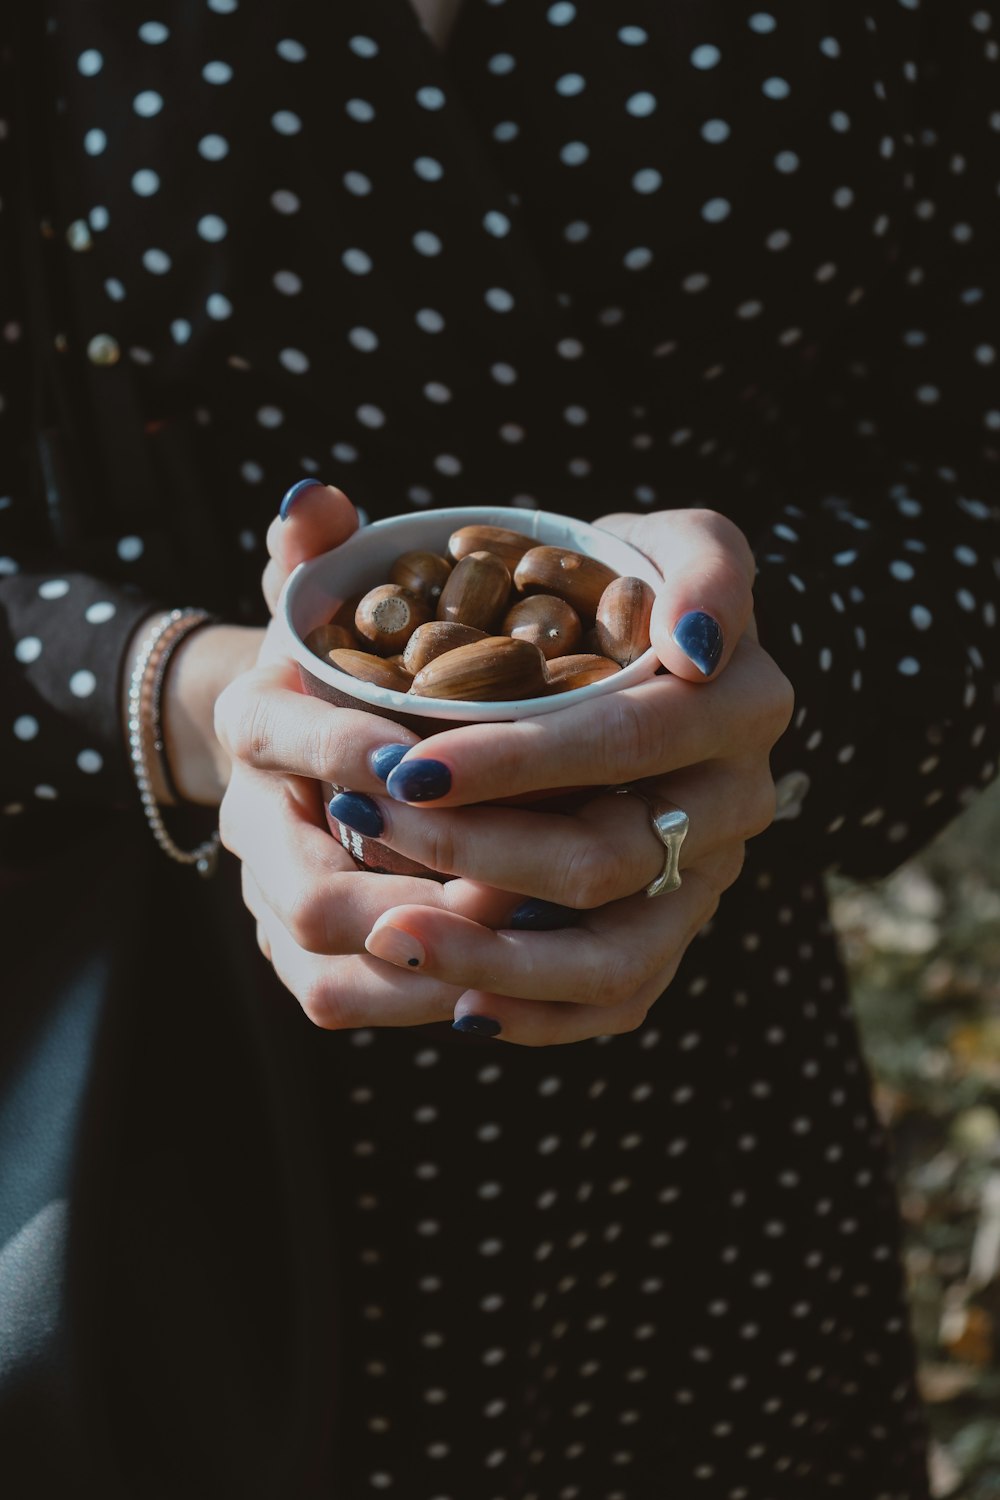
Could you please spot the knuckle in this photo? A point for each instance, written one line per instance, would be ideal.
(760, 806)
(323, 1005)
(306, 920)
(228, 824)
(589, 874)
(617, 982)
(250, 728)
(630, 1018)
(442, 846)
(627, 736)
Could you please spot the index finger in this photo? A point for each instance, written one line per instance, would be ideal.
(648, 730)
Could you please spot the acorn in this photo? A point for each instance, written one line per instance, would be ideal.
(549, 623)
(434, 638)
(570, 575)
(569, 672)
(622, 626)
(493, 670)
(368, 668)
(509, 546)
(387, 616)
(476, 592)
(330, 637)
(423, 573)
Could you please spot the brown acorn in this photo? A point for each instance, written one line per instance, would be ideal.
(570, 575)
(423, 573)
(476, 592)
(330, 638)
(434, 639)
(622, 626)
(509, 546)
(493, 670)
(569, 672)
(368, 668)
(387, 616)
(549, 623)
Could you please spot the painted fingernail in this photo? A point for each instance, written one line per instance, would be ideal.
(700, 638)
(293, 494)
(386, 758)
(477, 1025)
(542, 916)
(396, 947)
(357, 812)
(419, 781)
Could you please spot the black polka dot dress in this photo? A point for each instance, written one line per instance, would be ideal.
(590, 256)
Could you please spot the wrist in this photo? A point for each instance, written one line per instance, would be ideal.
(203, 664)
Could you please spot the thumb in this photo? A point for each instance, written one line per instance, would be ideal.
(705, 602)
(313, 518)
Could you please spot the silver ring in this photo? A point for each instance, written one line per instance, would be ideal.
(670, 825)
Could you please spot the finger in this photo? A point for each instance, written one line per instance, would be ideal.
(313, 518)
(603, 961)
(266, 724)
(706, 597)
(651, 729)
(309, 881)
(339, 993)
(608, 849)
(262, 942)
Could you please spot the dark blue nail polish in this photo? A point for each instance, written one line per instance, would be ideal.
(293, 494)
(386, 758)
(419, 781)
(542, 916)
(358, 812)
(478, 1025)
(700, 638)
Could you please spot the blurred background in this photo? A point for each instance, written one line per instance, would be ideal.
(923, 949)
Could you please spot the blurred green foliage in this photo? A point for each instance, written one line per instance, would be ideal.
(923, 950)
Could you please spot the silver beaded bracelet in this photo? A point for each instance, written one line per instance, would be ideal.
(159, 644)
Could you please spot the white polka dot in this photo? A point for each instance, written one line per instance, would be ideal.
(94, 142)
(82, 683)
(426, 242)
(130, 548)
(363, 339)
(291, 51)
(705, 56)
(715, 131)
(285, 201)
(360, 110)
(145, 182)
(640, 105)
(53, 588)
(776, 88)
(99, 613)
(370, 416)
(829, 46)
(212, 228)
(357, 262)
(761, 22)
(217, 306)
(561, 14)
(927, 394)
(499, 299)
(715, 210)
(180, 330)
(430, 97)
(428, 168)
(647, 180)
(217, 72)
(358, 184)
(840, 121)
(638, 258)
(90, 63)
(28, 649)
(148, 103)
(430, 320)
(447, 463)
(25, 727)
(157, 261)
(153, 33)
(294, 360)
(270, 416)
(574, 153)
(505, 130)
(633, 36)
(576, 232)
(90, 761)
(909, 666)
(285, 122)
(344, 453)
(786, 161)
(363, 46)
(502, 63)
(287, 282)
(213, 147)
(223, 7)
(435, 391)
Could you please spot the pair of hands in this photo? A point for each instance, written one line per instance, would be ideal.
(362, 949)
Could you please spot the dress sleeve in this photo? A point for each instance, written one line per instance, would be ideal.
(64, 622)
(880, 600)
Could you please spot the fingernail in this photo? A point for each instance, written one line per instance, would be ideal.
(293, 494)
(358, 812)
(386, 758)
(478, 1025)
(396, 947)
(542, 916)
(419, 781)
(700, 638)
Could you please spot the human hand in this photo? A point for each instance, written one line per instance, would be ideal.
(314, 908)
(703, 748)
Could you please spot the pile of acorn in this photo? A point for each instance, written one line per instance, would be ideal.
(498, 618)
